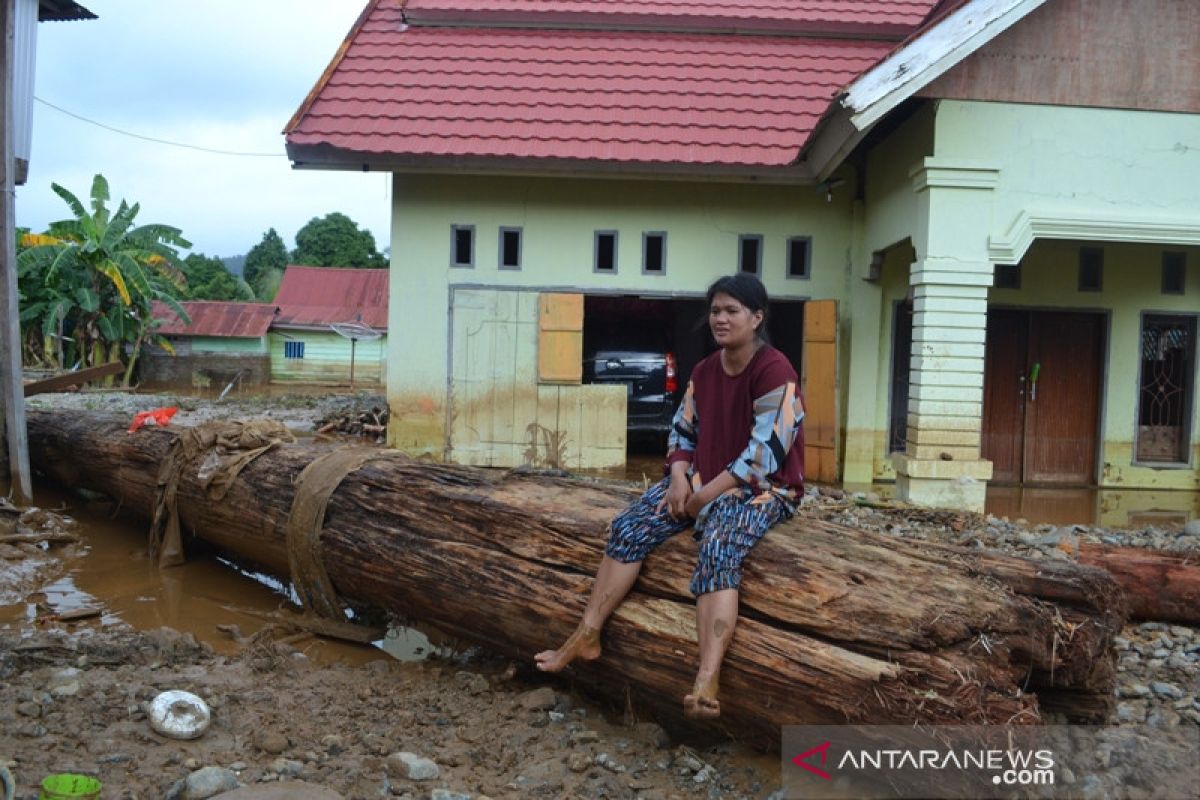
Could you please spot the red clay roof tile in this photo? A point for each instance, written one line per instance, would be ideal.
(614, 96)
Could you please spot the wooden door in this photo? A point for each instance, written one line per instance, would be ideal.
(1004, 380)
(820, 390)
(1063, 408)
(1041, 396)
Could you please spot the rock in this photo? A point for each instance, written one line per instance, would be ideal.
(282, 790)
(286, 767)
(333, 744)
(1130, 713)
(686, 760)
(1192, 528)
(68, 689)
(271, 742)
(29, 709)
(541, 699)
(1181, 632)
(1135, 690)
(584, 737)
(446, 794)
(208, 782)
(1092, 788)
(412, 766)
(1164, 689)
(1121, 643)
(607, 761)
(556, 716)
(578, 762)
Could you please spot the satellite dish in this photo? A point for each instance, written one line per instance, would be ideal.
(356, 331)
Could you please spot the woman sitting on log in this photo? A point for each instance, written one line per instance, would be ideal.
(736, 467)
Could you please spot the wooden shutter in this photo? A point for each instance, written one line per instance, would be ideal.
(560, 338)
(820, 390)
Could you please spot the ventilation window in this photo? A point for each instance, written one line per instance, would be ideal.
(799, 254)
(462, 245)
(750, 253)
(606, 251)
(654, 252)
(1174, 272)
(1166, 393)
(293, 349)
(1091, 269)
(510, 248)
(1007, 276)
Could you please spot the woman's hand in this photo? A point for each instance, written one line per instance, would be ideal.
(709, 492)
(678, 493)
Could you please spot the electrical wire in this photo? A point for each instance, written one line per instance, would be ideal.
(214, 150)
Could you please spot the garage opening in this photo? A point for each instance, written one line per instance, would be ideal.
(651, 344)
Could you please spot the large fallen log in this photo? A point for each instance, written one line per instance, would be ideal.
(1159, 584)
(838, 625)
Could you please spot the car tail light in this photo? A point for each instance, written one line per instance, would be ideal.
(672, 375)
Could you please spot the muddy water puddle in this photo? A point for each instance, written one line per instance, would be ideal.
(111, 573)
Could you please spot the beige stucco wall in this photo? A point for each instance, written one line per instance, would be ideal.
(558, 217)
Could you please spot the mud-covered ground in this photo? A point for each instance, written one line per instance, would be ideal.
(74, 693)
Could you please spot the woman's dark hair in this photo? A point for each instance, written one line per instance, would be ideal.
(748, 290)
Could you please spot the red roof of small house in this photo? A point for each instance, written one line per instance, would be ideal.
(465, 81)
(211, 318)
(316, 297)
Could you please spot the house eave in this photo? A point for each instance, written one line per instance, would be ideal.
(326, 157)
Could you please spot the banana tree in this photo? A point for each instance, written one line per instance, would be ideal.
(93, 278)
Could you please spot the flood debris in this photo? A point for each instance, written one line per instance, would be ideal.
(370, 424)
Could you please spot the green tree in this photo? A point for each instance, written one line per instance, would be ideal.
(267, 257)
(209, 279)
(335, 240)
(90, 280)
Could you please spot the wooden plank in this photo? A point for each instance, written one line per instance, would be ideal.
(560, 338)
(820, 390)
(77, 378)
(10, 328)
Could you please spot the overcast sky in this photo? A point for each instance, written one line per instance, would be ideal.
(222, 74)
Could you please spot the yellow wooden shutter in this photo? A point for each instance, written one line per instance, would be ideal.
(560, 338)
(820, 390)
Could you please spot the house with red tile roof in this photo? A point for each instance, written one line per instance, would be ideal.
(330, 326)
(977, 220)
(223, 343)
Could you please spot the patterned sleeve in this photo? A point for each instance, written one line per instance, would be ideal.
(777, 417)
(685, 428)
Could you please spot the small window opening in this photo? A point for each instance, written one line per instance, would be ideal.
(462, 245)
(750, 253)
(1091, 269)
(1174, 273)
(293, 349)
(799, 253)
(606, 251)
(1007, 276)
(510, 248)
(654, 252)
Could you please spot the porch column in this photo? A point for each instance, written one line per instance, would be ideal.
(941, 465)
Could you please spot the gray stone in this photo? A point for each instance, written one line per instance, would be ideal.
(1121, 643)
(412, 766)
(1135, 690)
(286, 767)
(607, 761)
(654, 734)
(208, 782)
(584, 737)
(1130, 713)
(29, 709)
(282, 790)
(67, 689)
(446, 794)
(1161, 652)
(1192, 528)
(1181, 632)
(578, 762)
(542, 699)
(1163, 689)
(1092, 788)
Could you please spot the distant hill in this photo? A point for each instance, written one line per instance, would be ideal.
(235, 264)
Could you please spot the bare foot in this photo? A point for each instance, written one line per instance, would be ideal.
(583, 644)
(702, 703)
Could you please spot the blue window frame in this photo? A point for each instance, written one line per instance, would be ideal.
(293, 349)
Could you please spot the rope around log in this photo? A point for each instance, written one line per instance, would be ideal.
(315, 484)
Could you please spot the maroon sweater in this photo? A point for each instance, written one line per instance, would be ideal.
(749, 424)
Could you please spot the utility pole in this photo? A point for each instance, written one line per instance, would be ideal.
(12, 393)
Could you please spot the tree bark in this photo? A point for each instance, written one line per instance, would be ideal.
(1158, 584)
(837, 624)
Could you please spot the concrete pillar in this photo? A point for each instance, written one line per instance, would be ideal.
(941, 465)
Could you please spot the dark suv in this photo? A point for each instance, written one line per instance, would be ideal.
(650, 376)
